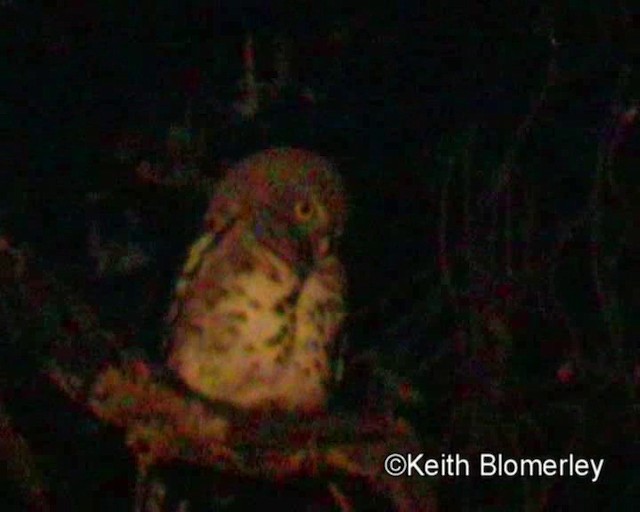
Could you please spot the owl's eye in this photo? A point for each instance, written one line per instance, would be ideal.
(303, 210)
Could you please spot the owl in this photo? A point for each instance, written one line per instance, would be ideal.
(261, 296)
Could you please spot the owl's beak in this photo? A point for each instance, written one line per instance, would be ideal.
(312, 251)
(321, 246)
(319, 238)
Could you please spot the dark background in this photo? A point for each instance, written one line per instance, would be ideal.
(397, 87)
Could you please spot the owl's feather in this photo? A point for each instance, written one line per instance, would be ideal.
(261, 296)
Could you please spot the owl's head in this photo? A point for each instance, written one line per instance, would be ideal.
(293, 199)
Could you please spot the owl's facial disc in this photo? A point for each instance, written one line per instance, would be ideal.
(300, 235)
(293, 199)
(311, 222)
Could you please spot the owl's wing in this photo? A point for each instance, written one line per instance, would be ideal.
(333, 278)
(206, 243)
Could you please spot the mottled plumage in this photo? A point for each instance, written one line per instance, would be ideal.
(261, 295)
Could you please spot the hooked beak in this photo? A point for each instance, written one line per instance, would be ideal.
(313, 250)
(320, 246)
(319, 239)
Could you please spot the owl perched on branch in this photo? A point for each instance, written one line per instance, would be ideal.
(261, 296)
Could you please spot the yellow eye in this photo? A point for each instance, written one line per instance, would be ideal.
(303, 211)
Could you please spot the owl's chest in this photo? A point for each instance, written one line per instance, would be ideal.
(253, 332)
(270, 310)
(260, 307)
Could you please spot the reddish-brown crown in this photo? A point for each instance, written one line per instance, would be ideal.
(277, 178)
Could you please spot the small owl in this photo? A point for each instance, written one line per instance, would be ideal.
(261, 296)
